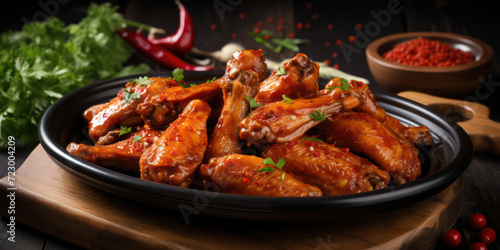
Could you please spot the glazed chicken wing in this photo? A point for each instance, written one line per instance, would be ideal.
(419, 135)
(249, 60)
(163, 108)
(123, 155)
(225, 138)
(279, 122)
(122, 110)
(364, 134)
(335, 171)
(239, 174)
(175, 157)
(300, 80)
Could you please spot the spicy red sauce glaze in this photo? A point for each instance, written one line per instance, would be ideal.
(428, 53)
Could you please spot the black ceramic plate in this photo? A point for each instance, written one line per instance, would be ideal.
(442, 163)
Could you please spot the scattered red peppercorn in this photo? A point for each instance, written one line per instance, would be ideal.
(327, 44)
(452, 238)
(260, 23)
(242, 15)
(233, 36)
(327, 62)
(329, 26)
(279, 27)
(336, 66)
(358, 26)
(477, 221)
(256, 30)
(281, 21)
(315, 16)
(335, 54)
(427, 53)
(339, 41)
(246, 180)
(291, 35)
(270, 20)
(307, 25)
(213, 26)
(266, 36)
(487, 235)
(299, 26)
(351, 38)
(478, 246)
(308, 5)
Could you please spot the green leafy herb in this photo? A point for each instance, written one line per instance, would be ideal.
(318, 116)
(312, 139)
(286, 99)
(129, 96)
(252, 102)
(137, 138)
(345, 85)
(141, 81)
(212, 80)
(280, 71)
(290, 43)
(178, 75)
(281, 43)
(46, 60)
(192, 85)
(125, 130)
(281, 162)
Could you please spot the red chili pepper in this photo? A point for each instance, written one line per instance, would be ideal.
(157, 52)
(182, 41)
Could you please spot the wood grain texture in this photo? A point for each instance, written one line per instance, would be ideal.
(88, 217)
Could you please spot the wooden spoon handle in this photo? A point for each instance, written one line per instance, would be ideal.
(472, 117)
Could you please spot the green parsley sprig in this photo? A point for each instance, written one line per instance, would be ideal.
(280, 71)
(345, 85)
(286, 99)
(281, 162)
(124, 130)
(318, 116)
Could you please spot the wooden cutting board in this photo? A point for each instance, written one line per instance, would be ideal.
(53, 201)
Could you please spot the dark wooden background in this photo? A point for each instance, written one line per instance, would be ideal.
(214, 29)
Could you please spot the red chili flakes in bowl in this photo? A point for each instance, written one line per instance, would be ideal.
(427, 53)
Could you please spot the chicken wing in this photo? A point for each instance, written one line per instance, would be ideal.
(419, 135)
(175, 157)
(283, 121)
(122, 110)
(249, 60)
(225, 139)
(364, 134)
(335, 171)
(242, 174)
(163, 108)
(300, 80)
(123, 155)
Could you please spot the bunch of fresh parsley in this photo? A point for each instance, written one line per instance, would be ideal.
(46, 60)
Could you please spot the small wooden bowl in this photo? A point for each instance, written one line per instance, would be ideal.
(454, 82)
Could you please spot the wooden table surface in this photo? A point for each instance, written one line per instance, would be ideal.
(219, 22)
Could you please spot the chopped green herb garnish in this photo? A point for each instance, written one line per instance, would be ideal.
(286, 99)
(281, 162)
(312, 139)
(252, 102)
(317, 115)
(290, 43)
(125, 130)
(192, 85)
(129, 96)
(178, 75)
(280, 71)
(213, 79)
(137, 138)
(345, 85)
(141, 81)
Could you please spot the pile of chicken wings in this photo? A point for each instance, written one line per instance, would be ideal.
(306, 141)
